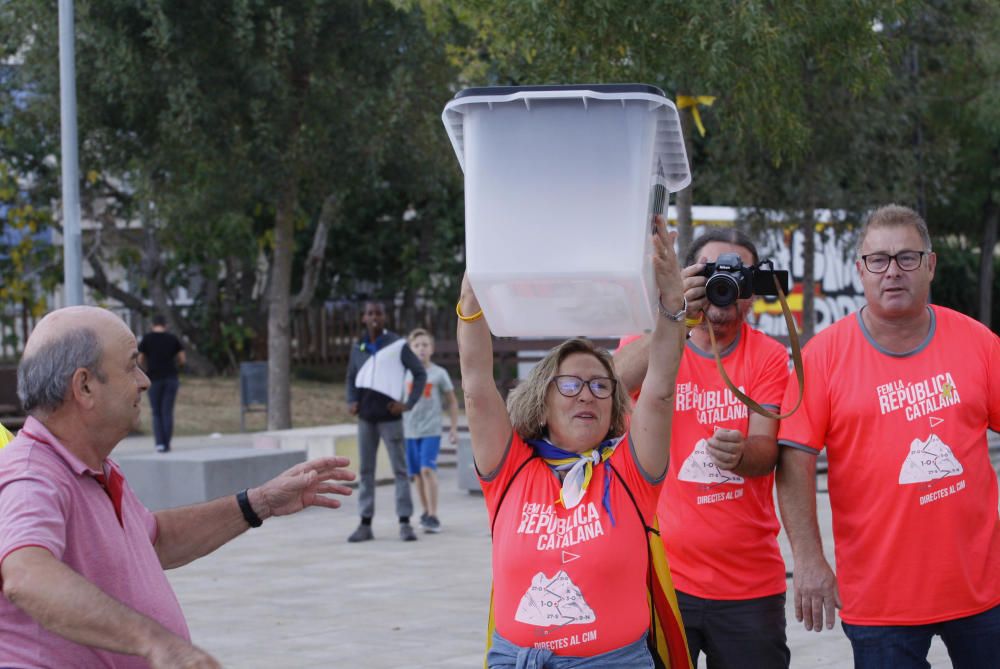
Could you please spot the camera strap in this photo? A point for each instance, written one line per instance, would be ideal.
(793, 337)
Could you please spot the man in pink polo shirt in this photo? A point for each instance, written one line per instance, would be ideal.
(81, 559)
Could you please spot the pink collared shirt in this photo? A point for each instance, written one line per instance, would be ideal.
(50, 499)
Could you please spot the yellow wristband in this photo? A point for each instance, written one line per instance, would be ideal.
(694, 322)
(468, 319)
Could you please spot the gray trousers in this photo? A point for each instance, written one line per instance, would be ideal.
(368, 436)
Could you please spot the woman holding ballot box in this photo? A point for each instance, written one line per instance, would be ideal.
(571, 487)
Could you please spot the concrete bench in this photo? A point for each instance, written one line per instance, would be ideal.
(325, 441)
(166, 480)
(342, 439)
(468, 480)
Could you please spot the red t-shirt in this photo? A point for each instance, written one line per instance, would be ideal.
(720, 529)
(568, 579)
(913, 492)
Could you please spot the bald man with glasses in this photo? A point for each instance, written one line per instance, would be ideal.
(900, 394)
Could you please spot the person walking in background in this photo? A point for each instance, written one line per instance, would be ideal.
(376, 374)
(900, 394)
(160, 354)
(422, 428)
(716, 511)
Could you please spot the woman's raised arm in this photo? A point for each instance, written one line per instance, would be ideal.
(489, 423)
(654, 411)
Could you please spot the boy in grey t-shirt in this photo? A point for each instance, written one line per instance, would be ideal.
(422, 428)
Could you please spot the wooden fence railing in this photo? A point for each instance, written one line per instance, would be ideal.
(324, 336)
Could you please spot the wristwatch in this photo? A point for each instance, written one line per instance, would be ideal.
(670, 316)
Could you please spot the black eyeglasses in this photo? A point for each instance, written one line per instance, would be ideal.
(905, 260)
(568, 385)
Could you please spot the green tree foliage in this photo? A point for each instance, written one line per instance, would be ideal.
(958, 271)
(954, 67)
(29, 266)
(821, 105)
(748, 53)
(793, 82)
(214, 133)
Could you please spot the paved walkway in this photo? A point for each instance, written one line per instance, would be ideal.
(294, 593)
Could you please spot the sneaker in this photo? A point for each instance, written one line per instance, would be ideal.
(433, 525)
(160, 448)
(406, 532)
(363, 533)
(424, 519)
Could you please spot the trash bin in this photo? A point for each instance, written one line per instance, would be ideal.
(561, 183)
(253, 389)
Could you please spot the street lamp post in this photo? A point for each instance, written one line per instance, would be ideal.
(72, 245)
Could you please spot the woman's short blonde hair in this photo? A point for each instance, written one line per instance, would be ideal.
(526, 402)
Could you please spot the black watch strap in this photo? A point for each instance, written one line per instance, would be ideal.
(249, 515)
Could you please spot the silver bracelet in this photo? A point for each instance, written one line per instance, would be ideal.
(670, 316)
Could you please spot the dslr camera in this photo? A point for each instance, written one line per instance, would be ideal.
(729, 280)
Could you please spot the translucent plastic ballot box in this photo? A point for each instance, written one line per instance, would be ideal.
(561, 184)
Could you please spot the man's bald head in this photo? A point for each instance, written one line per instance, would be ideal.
(62, 342)
(57, 324)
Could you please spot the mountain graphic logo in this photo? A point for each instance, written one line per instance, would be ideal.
(699, 468)
(553, 601)
(929, 460)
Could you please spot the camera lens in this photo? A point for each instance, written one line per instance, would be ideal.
(722, 289)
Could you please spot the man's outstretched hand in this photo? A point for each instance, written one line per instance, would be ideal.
(306, 484)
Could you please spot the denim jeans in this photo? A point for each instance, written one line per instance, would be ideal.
(162, 394)
(505, 655)
(973, 642)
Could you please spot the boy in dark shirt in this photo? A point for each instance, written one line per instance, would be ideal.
(376, 375)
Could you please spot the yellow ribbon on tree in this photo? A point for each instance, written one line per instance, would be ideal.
(692, 101)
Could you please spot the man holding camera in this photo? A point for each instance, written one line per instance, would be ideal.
(716, 511)
(900, 394)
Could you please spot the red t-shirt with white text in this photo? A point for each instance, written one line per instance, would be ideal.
(719, 529)
(568, 579)
(913, 492)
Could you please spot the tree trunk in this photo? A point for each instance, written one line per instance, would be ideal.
(279, 410)
(317, 252)
(685, 197)
(153, 267)
(991, 221)
(408, 311)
